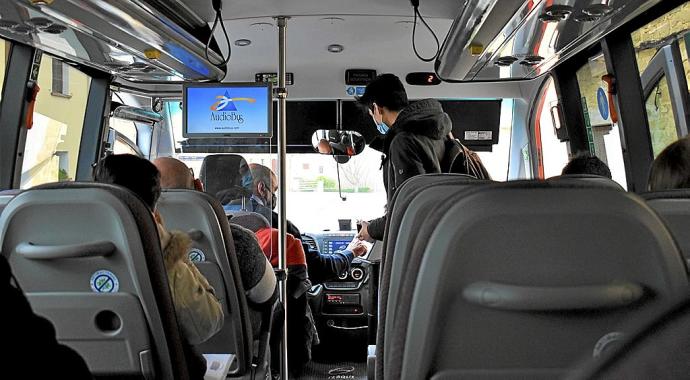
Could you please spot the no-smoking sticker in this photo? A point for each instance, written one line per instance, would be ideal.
(104, 281)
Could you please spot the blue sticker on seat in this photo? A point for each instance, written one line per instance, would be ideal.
(196, 255)
(104, 281)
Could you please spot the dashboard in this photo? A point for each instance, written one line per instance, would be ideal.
(341, 305)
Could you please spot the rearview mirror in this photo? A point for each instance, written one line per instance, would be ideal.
(335, 142)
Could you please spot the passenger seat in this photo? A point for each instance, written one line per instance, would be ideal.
(519, 280)
(213, 252)
(674, 208)
(89, 259)
(410, 205)
(222, 176)
(657, 349)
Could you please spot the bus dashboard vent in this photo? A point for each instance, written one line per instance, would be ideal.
(310, 242)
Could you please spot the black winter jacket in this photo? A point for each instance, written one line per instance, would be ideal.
(414, 145)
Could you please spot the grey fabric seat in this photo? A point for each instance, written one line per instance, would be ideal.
(511, 281)
(589, 179)
(250, 220)
(657, 349)
(213, 252)
(6, 196)
(674, 208)
(409, 205)
(89, 259)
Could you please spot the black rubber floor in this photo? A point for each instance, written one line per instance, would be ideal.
(334, 370)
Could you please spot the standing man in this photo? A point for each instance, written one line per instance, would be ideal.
(412, 140)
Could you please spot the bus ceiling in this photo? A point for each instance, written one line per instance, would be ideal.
(518, 39)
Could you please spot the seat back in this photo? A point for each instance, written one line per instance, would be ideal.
(89, 259)
(674, 208)
(405, 205)
(250, 220)
(226, 176)
(213, 252)
(6, 196)
(657, 349)
(506, 273)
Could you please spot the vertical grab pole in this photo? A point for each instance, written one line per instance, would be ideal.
(281, 94)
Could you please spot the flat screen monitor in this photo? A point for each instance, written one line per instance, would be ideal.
(227, 110)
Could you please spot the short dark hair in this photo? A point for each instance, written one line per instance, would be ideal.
(671, 168)
(587, 163)
(137, 174)
(386, 90)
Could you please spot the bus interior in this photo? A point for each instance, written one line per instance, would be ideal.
(528, 274)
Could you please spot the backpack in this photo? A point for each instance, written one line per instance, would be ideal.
(461, 160)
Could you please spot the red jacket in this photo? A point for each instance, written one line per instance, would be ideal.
(268, 240)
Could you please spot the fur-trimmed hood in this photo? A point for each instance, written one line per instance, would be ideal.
(175, 245)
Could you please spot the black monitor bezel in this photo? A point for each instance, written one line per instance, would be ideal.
(268, 134)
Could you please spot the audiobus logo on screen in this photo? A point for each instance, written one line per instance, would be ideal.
(226, 110)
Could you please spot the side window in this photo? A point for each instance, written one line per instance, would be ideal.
(4, 55)
(497, 161)
(552, 153)
(123, 146)
(52, 144)
(126, 128)
(662, 128)
(603, 134)
(661, 71)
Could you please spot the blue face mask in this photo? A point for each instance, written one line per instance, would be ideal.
(382, 127)
(247, 181)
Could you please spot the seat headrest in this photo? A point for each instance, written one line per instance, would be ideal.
(250, 220)
(133, 201)
(586, 180)
(10, 192)
(225, 171)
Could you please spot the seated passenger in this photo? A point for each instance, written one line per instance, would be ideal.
(198, 312)
(300, 321)
(30, 339)
(257, 274)
(587, 163)
(671, 168)
(321, 267)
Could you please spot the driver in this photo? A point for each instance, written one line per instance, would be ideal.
(321, 267)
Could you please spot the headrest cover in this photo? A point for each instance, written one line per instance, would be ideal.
(225, 171)
(250, 220)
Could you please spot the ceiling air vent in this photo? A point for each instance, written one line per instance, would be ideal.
(556, 13)
(23, 29)
(506, 60)
(39, 22)
(54, 29)
(531, 60)
(585, 18)
(598, 9)
(7, 24)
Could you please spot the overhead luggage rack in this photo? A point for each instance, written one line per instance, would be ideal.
(129, 39)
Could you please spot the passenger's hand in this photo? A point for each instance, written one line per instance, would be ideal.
(364, 232)
(357, 247)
